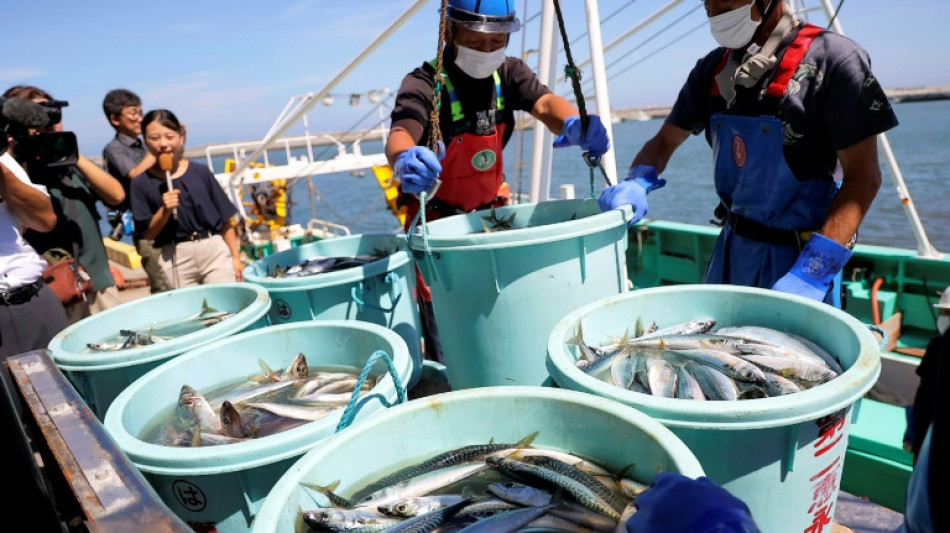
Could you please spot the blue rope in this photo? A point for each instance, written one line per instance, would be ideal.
(423, 229)
(883, 333)
(350, 413)
(592, 163)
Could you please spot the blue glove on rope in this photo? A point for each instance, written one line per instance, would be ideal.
(417, 169)
(815, 269)
(595, 143)
(632, 190)
(678, 504)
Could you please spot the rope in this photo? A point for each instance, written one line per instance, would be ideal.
(883, 333)
(572, 72)
(349, 414)
(435, 129)
(423, 229)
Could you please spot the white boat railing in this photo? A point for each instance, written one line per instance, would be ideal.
(547, 65)
(924, 247)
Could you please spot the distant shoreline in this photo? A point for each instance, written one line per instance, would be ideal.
(230, 148)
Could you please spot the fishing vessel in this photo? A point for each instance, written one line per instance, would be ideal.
(893, 288)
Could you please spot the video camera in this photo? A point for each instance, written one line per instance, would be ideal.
(47, 149)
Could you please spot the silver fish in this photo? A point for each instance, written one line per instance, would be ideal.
(687, 386)
(793, 369)
(715, 384)
(194, 409)
(660, 376)
(577, 490)
(726, 363)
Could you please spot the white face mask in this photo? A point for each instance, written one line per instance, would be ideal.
(943, 322)
(735, 28)
(477, 64)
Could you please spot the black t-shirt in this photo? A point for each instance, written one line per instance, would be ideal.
(520, 88)
(203, 205)
(833, 101)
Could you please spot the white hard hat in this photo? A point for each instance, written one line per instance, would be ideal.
(944, 302)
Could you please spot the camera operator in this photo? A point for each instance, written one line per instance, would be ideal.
(30, 313)
(75, 184)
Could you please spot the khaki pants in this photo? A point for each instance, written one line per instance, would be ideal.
(95, 302)
(191, 263)
(150, 263)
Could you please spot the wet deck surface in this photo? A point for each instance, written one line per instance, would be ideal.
(862, 516)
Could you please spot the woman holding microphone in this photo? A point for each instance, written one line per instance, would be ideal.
(183, 208)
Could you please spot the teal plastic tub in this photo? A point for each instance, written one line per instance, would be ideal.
(497, 295)
(221, 488)
(382, 292)
(783, 456)
(100, 376)
(608, 433)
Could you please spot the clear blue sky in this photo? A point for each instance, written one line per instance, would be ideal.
(227, 69)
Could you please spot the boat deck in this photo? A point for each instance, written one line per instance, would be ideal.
(861, 516)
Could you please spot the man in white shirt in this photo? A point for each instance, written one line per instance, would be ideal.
(30, 313)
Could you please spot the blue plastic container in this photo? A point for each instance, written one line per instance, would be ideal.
(497, 295)
(222, 487)
(783, 456)
(100, 376)
(610, 434)
(381, 292)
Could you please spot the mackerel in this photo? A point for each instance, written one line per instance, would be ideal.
(687, 386)
(580, 476)
(424, 484)
(444, 460)
(731, 365)
(581, 493)
(792, 368)
(715, 384)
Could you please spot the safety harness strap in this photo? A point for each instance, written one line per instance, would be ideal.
(790, 60)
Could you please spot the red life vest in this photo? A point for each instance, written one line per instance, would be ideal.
(472, 170)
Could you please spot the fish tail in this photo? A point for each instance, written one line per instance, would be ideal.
(328, 491)
(578, 338)
(205, 308)
(526, 442)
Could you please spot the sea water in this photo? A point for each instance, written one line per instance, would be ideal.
(919, 144)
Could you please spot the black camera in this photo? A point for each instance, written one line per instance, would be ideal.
(47, 149)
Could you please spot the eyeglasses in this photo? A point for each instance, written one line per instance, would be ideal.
(133, 115)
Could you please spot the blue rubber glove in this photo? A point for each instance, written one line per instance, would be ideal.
(417, 169)
(632, 190)
(595, 143)
(815, 269)
(678, 504)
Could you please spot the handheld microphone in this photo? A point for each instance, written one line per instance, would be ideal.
(24, 113)
(165, 162)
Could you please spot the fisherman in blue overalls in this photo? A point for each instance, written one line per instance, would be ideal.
(792, 113)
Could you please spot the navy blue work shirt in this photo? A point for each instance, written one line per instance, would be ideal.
(203, 205)
(121, 155)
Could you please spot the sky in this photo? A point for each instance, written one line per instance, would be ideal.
(228, 69)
